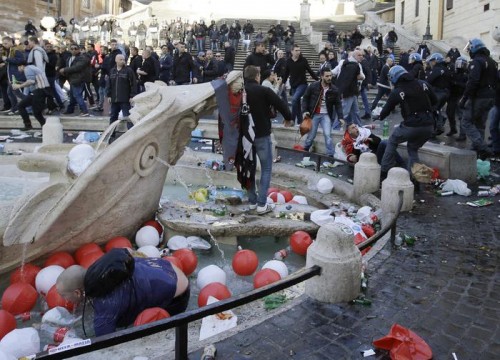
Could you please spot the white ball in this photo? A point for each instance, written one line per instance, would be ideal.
(150, 251)
(325, 186)
(21, 342)
(278, 266)
(177, 242)
(210, 274)
(147, 235)
(7, 356)
(300, 199)
(80, 157)
(47, 277)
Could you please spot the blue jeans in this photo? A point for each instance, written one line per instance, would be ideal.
(326, 125)
(200, 44)
(350, 110)
(416, 138)
(494, 117)
(115, 110)
(296, 97)
(76, 97)
(364, 98)
(264, 149)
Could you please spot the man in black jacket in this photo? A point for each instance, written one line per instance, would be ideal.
(121, 88)
(51, 73)
(147, 71)
(229, 56)
(295, 68)
(75, 71)
(416, 99)
(183, 67)
(260, 99)
(260, 57)
(319, 101)
(440, 80)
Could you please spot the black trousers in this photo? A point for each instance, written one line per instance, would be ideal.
(36, 100)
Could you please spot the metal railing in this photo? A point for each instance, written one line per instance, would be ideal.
(181, 321)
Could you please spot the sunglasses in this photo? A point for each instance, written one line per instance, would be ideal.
(75, 48)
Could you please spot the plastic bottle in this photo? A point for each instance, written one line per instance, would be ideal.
(14, 80)
(57, 333)
(385, 130)
(375, 216)
(29, 316)
(281, 254)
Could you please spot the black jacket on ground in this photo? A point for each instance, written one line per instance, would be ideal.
(416, 98)
(296, 70)
(332, 99)
(260, 99)
(121, 85)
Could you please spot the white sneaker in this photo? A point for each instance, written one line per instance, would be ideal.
(265, 209)
(252, 206)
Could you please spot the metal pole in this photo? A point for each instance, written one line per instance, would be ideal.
(428, 35)
(181, 342)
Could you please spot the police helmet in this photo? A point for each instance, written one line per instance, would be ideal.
(436, 56)
(415, 57)
(461, 63)
(474, 45)
(395, 73)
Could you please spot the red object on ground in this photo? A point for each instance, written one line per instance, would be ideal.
(188, 259)
(435, 174)
(300, 241)
(271, 190)
(7, 323)
(404, 344)
(265, 277)
(25, 274)
(298, 147)
(154, 224)
(277, 197)
(245, 262)
(287, 195)
(84, 250)
(215, 289)
(54, 299)
(91, 258)
(61, 258)
(175, 261)
(18, 298)
(368, 230)
(365, 250)
(118, 242)
(151, 315)
(358, 239)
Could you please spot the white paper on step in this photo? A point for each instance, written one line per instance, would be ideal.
(215, 324)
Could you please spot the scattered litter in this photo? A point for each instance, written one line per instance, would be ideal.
(457, 186)
(404, 344)
(86, 137)
(367, 353)
(480, 203)
(483, 168)
(21, 136)
(274, 301)
(454, 356)
(306, 162)
(361, 300)
(37, 134)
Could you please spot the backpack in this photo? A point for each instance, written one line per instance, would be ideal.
(109, 271)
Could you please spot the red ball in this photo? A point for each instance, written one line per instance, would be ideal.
(18, 298)
(118, 242)
(7, 323)
(271, 190)
(215, 289)
(188, 259)
(84, 250)
(25, 274)
(265, 277)
(151, 315)
(277, 197)
(154, 224)
(287, 195)
(54, 299)
(91, 258)
(245, 262)
(300, 241)
(175, 261)
(61, 258)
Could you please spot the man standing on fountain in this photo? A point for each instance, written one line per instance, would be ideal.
(257, 136)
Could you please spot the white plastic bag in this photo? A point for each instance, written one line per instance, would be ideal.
(457, 186)
(322, 217)
(60, 316)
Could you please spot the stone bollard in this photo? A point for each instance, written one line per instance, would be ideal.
(340, 260)
(397, 179)
(52, 131)
(366, 175)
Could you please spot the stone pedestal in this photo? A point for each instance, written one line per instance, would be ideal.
(397, 179)
(340, 260)
(52, 131)
(305, 13)
(366, 175)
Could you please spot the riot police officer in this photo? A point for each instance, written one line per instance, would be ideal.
(416, 66)
(458, 81)
(439, 78)
(416, 99)
(479, 95)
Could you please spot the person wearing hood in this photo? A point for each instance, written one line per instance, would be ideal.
(37, 55)
(416, 99)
